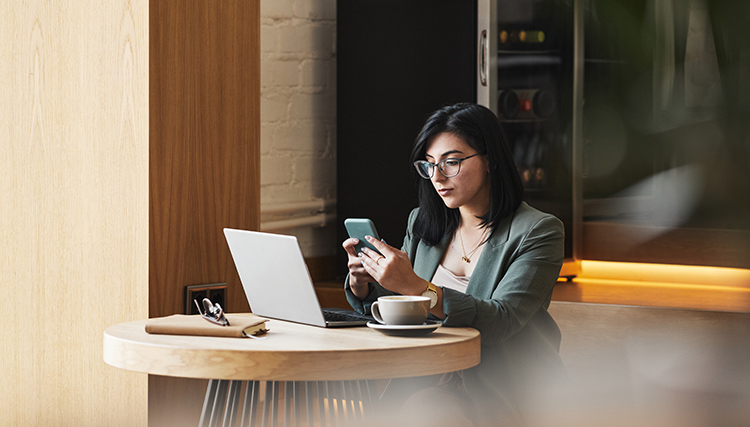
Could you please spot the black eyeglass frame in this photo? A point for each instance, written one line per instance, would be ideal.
(440, 165)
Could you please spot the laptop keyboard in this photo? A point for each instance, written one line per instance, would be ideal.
(340, 315)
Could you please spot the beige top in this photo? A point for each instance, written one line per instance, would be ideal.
(447, 279)
(292, 352)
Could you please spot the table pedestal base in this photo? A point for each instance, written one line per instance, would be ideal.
(287, 403)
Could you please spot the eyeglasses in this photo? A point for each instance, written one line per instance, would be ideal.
(212, 312)
(449, 167)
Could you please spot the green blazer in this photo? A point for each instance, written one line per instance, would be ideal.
(506, 300)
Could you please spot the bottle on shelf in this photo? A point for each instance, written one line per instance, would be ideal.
(515, 37)
(533, 177)
(526, 104)
(530, 151)
(508, 104)
(536, 36)
(507, 37)
(544, 103)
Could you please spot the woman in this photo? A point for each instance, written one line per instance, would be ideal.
(486, 258)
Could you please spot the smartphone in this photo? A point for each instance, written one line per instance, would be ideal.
(359, 228)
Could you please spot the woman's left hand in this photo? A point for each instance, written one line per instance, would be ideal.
(392, 270)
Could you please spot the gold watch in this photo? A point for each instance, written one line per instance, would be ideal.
(431, 293)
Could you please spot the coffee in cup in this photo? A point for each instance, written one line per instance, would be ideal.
(401, 309)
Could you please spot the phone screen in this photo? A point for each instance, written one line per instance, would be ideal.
(359, 228)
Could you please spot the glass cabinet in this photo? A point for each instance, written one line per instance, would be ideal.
(629, 121)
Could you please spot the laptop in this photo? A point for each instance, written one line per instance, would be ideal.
(277, 282)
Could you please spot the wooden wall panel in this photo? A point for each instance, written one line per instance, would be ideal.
(204, 138)
(73, 207)
(204, 162)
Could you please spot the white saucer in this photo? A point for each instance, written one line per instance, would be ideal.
(406, 330)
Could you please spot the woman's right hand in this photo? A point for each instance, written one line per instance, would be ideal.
(359, 279)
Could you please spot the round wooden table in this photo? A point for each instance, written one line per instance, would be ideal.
(304, 356)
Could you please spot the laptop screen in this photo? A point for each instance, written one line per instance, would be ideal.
(274, 276)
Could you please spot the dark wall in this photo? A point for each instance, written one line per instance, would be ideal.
(397, 62)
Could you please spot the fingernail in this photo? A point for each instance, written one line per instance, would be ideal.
(383, 240)
(363, 263)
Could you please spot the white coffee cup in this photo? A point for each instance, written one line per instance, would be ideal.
(401, 309)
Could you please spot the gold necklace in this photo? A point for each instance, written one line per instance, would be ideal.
(467, 258)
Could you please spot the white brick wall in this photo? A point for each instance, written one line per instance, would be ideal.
(298, 114)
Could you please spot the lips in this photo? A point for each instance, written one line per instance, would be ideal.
(444, 191)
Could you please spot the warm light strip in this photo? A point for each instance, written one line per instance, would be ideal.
(663, 285)
(665, 273)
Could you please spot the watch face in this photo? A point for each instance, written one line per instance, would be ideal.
(432, 295)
